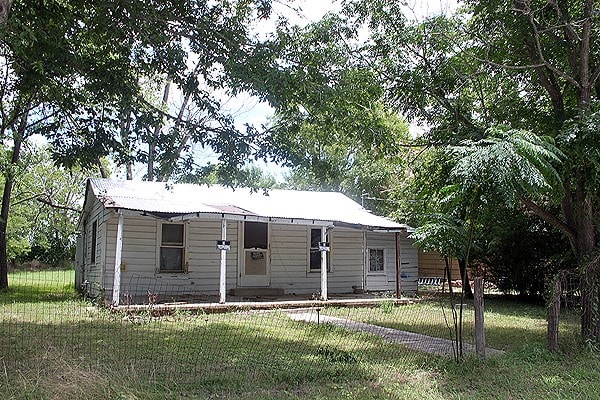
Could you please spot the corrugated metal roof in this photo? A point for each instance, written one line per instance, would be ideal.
(183, 199)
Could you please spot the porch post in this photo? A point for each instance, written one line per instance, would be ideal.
(323, 265)
(223, 269)
(398, 265)
(118, 254)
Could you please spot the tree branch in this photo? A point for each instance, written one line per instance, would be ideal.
(548, 217)
(48, 201)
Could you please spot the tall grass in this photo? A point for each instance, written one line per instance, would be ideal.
(54, 345)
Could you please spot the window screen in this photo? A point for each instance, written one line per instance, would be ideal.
(255, 235)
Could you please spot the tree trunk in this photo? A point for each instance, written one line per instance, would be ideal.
(5, 6)
(6, 195)
(590, 301)
(103, 172)
(462, 265)
(583, 247)
(479, 317)
(157, 128)
(553, 316)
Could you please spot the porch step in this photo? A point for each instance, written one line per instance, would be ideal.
(255, 292)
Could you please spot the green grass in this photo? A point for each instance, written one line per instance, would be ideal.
(53, 345)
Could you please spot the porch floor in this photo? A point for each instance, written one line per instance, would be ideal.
(210, 304)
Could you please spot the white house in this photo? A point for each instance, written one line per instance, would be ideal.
(183, 240)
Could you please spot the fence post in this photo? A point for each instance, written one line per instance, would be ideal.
(553, 316)
(479, 325)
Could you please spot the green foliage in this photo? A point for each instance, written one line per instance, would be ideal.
(522, 254)
(85, 67)
(508, 163)
(36, 229)
(579, 140)
(331, 125)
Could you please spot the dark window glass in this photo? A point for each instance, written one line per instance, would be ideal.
(172, 249)
(171, 259)
(172, 234)
(255, 235)
(94, 241)
(315, 254)
(376, 260)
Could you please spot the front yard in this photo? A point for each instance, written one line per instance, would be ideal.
(54, 345)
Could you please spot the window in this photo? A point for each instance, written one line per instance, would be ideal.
(376, 260)
(314, 253)
(172, 248)
(255, 235)
(94, 241)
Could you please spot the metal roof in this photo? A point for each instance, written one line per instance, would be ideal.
(188, 200)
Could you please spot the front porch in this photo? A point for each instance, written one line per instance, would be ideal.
(211, 304)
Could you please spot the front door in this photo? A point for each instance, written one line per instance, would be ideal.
(254, 257)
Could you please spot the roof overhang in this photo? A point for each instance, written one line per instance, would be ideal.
(253, 218)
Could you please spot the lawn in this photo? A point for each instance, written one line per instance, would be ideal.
(53, 345)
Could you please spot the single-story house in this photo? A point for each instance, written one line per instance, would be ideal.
(145, 238)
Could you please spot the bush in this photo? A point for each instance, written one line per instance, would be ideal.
(523, 254)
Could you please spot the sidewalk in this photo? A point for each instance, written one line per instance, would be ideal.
(414, 341)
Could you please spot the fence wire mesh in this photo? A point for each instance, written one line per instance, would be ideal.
(54, 341)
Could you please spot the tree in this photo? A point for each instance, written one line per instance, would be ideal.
(523, 254)
(330, 127)
(45, 207)
(73, 71)
(527, 64)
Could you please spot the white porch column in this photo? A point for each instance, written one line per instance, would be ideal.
(118, 254)
(223, 269)
(323, 265)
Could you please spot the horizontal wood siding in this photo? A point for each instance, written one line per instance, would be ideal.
(139, 257)
(289, 260)
(92, 271)
(347, 260)
(432, 264)
(409, 263)
(409, 269)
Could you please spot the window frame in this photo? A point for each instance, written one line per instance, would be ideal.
(94, 242)
(383, 255)
(171, 245)
(311, 249)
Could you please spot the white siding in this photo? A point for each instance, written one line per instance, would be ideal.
(290, 246)
(408, 261)
(289, 258)
(92, 271)
(140, 246)
(347, 261)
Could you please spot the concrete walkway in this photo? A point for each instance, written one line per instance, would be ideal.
(413, 341)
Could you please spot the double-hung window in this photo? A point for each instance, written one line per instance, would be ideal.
(314, 252)
(376, 261)
(172, 248)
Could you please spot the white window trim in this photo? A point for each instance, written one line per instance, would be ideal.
(310, 270)
(241, 278)
(368, 261)
(159, 245)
